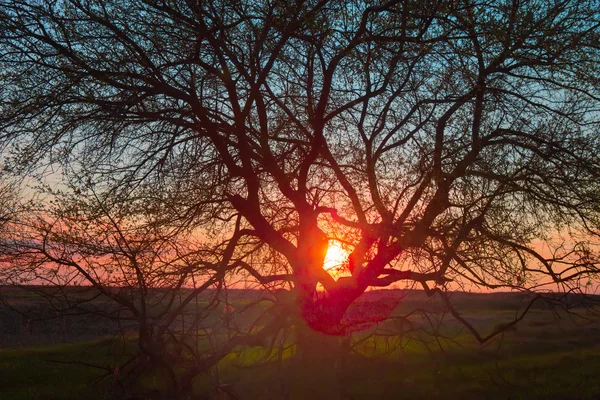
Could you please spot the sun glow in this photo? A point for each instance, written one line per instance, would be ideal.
(335, 259)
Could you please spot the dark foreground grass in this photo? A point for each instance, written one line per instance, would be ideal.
(55, 372)
(550, 355)
(52, 373)
(549, 375)
(541, 376)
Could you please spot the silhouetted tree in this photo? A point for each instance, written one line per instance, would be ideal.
(449, 144)
(9, 200)
(94, 255)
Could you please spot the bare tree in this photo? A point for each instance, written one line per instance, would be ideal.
(9, 198)
(445, 144)
(92, 254)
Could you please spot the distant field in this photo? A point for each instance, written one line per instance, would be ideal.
(551, 354)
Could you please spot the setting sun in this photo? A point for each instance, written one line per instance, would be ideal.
(335, 258)
(294, 199)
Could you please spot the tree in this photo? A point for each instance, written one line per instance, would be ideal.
(9, 197)
(446, 144)
(102, 256)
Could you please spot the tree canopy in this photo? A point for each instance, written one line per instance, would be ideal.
(449, 144)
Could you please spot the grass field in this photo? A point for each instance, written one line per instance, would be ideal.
(551, 354)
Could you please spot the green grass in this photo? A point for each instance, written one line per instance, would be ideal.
(45, 373)
(54, 372)
(543, 358)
